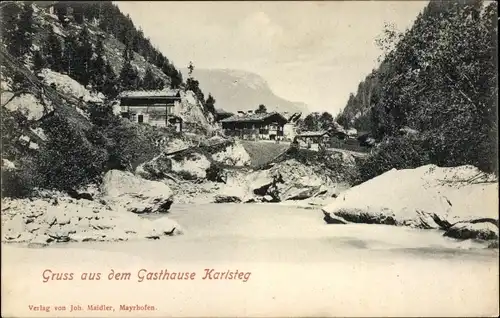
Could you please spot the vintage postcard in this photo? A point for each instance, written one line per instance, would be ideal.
(249, 159)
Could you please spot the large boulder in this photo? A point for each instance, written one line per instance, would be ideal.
(136, 194)
(487, 231)
(155, 169)
(233, 155)
(259, 181)
(235, 187)
(43, 221)
(425, 197)
(194, 165)
(222, 198)
(289, 180)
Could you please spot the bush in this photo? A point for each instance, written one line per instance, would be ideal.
(131, 144)
(187, 175)
(402, 152)
(20, 182)
(13, 124)
(216, 173)
(157, 169)
(101, 114)
(68, 159)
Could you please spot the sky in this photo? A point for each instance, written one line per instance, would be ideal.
(311, 52)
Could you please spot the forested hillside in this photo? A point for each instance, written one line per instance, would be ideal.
(439, 81)
(62, 65)
(92, 42)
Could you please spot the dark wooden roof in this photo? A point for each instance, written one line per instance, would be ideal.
(159, 98)
(253, 117)
(151, 94)
(306, 134)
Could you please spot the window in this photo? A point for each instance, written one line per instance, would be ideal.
(140, 119)
(169, 109)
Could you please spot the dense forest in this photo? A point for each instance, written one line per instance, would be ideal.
(439, 80)
(78, 55)
(112, 21)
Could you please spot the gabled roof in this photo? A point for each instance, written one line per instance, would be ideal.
(312, 134)
(254, 117)
(291, 117)
(155, 94)
(295, 117)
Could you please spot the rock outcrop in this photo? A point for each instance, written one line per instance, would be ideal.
(289, 180)
(194, 165)
(233, 155)
(42, 221)
(456, 200)
(135, 194)
(156, 169)
(220, 198)
(473, 230)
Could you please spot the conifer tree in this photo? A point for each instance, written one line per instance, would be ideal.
(159, 84)
(38, 62)
(10, 15)
(20, 33)
(26, 28)
(129, 76)
(261, 109)
(210, 104)
(98, 70)
(110, 86)
(70, 55)
(149, 80)
(78, 11)
(61, 10)
(84, 52)
(54, 56)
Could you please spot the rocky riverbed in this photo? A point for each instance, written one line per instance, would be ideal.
(111, 213)
(459, 201)
(298, 265)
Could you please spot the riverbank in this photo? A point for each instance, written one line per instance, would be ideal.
(299, 267)
(462, 201)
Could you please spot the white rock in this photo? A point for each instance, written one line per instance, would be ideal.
(24, 139)
(468, 230)
(27, 104)
(409, 194)
(136, 194)
(8, 165)
(39, 132)
(67, 85)
(234, 155)
(197, 165)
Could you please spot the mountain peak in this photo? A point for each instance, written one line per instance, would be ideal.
(236, 90)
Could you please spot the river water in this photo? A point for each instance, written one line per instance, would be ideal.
(299, 266)
(272, 232)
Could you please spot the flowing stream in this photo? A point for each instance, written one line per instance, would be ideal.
(272, 232)
(299, 266)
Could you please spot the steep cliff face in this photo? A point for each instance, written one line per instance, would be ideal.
(191, 110)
